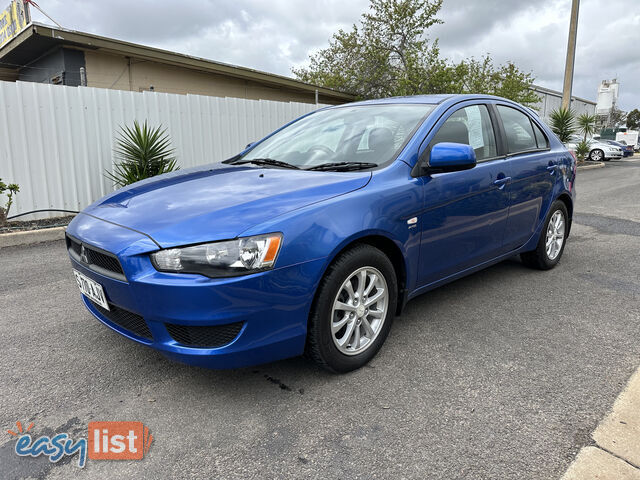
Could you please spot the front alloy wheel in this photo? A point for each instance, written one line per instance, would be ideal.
(596, 155)
(353, 309)
(359, 310)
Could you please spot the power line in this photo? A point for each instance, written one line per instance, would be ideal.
(25, 66)
(34, 4)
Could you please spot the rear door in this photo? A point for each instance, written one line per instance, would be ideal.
(465, 212)
(534, 169)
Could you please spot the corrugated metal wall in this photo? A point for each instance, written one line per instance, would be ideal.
(56, 142)
(550, 101)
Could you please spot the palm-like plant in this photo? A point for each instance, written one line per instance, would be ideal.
(563, 123)
(141, 152)
(587, 125)
(582, 150)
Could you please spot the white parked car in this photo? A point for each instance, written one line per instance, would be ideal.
(598, 150)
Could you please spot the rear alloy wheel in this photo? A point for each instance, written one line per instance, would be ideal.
(552, 239)
(353, 311)
(596, 155)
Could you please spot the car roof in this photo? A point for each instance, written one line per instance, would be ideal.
(426, 99)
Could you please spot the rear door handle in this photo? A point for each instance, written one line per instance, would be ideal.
(552, 168)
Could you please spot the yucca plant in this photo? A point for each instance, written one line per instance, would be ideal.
(563, 123)
(141, 152)
(587, 125)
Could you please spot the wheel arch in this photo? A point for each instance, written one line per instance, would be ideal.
(565, 198)
(387, 246)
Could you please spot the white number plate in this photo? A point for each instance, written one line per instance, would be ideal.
(91, 289)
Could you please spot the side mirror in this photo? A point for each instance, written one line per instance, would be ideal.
(451, 157)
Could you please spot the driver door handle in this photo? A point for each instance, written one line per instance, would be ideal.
(501, 182)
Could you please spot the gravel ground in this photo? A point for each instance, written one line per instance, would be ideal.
(19, 225)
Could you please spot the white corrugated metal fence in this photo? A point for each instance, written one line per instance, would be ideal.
(56, 142)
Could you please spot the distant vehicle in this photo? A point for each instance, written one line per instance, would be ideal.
(598, 149)
(630, 137)
(627, 150)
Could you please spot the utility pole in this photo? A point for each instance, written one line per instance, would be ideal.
(571, 55)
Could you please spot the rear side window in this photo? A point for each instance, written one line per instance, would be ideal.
(471, 126)
(541, 138)
(518, 130)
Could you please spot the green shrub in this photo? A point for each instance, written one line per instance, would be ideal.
(141, 152)
(9, 190)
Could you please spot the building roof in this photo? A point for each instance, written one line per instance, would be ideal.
(538, 88)
(37, 39)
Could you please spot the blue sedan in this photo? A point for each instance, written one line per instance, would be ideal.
(627, 150)
(311, 240)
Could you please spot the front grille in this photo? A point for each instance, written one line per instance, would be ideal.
(94, 257)
(124, 318)
(104, 261)
(209, 336)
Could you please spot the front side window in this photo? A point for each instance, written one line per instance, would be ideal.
(471, 126)
(367, 133)
(518, 130)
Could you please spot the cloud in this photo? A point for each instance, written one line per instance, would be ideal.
(277, 35)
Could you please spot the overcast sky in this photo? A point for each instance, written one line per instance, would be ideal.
(275, 35)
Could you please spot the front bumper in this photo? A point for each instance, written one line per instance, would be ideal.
(270, 308)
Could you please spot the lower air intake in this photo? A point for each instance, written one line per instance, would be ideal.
(124, 318)
(209, 336)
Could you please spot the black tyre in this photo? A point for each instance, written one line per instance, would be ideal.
(552, 239)
(353, 310)
(596, 155)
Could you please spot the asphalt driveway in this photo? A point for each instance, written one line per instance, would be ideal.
(500, 375)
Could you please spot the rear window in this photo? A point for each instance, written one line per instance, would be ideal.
(541, 138)
(518, 130)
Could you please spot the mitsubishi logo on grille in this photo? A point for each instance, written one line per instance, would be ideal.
(83, 255)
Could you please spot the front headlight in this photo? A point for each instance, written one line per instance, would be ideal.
(222, 259)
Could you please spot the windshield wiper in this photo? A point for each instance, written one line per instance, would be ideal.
(266, 161)
(343, 166)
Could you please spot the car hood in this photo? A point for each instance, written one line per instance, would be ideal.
(219, 201)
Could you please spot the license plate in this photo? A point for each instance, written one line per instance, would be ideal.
(92, 290)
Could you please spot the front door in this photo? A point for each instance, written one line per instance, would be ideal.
(465, 212)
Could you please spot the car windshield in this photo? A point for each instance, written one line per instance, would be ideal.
(343, 138)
